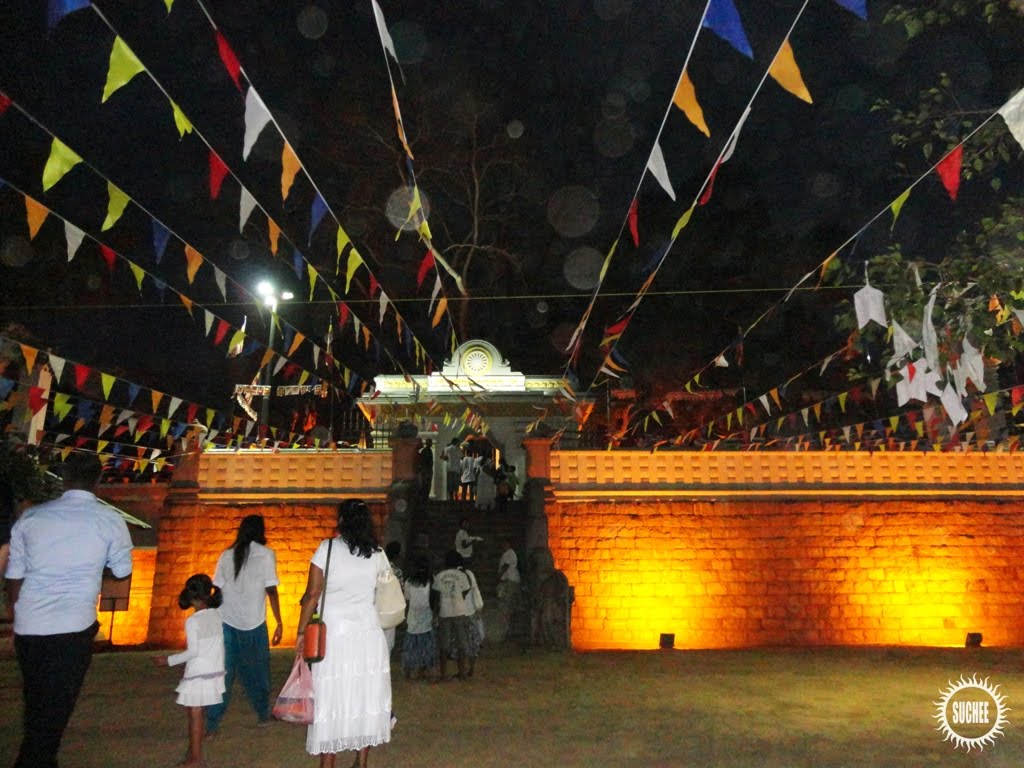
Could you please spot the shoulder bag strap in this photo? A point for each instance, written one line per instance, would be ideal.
(327, 570)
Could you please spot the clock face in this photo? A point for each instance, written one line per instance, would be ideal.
(476, 361)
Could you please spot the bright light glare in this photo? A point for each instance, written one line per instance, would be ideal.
(287, 295)
(264, 288)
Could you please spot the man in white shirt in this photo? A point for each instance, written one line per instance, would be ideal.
(464, 541)
(247, 574)
(455, 628)
(508, 585)
(58, 552)
(452, 457)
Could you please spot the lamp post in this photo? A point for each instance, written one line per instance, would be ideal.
(269, 294)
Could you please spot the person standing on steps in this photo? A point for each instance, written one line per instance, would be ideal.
(247, 575)
(452, 457)
(425, 469)
(464, 541)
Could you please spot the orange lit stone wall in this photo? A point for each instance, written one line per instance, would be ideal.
(742, 550)
(130, 627)
(296, 492)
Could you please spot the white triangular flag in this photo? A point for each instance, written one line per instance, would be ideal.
(721, 362)
(383, 305)
(57, 364)
(208, 317)
(1013, 113)
(973, 365)
(279, 364)
(730, 146)
(221, 280)
(74, 237)
(764, 402)
(316, 356)
(256, 118)
(356, 328)
(929, 339)
(656, 165)
(245, 206)
(902, 342)
(382, 30)
(433, 296)
(953, 405)
(172, 406)
(869, 303)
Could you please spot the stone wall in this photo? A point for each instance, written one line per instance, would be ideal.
(740, 573)
(193, 536)
(130, 626)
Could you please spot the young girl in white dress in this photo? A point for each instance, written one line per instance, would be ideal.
(203, 681)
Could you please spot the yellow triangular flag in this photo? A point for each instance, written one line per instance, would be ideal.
(108, 382)
(139, 273)
(124, 65)
(303, 377)
(681, 224)
(897, 206)
(842, 401)
(115, 207)
(61, 160)
(894, 421)
(354, 260)
(29, 354)
(991, 399)
(237, 340)
(289, 167)
(183, 124)
(442, 306)
(101, 445)
(787, 73)
(169, 4)
(312, 279)
(415, 206)
(195, 260)
(343, 240)
(299, 338)
(686, 99)
(37, 214)
(275, 235)
(165, 424)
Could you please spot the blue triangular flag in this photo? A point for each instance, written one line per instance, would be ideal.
(86, 409)
(60, 8)
(160, 237)
(161, 288)
(297, 262)
(289, 336)
(859, 7)
(178, 429)
(724, 20)
(6, 387)
(317, 215)
(353, 382)
(250, 346)
(218, 422)
(133, 392)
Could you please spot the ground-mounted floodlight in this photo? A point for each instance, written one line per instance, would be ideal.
(973, 640)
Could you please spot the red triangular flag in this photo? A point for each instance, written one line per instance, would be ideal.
(374, 285)
(949, 171)
(108, 256)
(425, 266)
(711, 184)
(633, 228)
(145, 422)
(342, 314)
(911, 371)
(1016, 395)
(230, 60)
(218, 170)
(222, 330)
(35, 399)
(81, 375)
(193, 409)
(5, 102)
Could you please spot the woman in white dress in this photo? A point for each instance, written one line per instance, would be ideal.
(352, 685)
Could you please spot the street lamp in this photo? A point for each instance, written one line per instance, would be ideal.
(268, 293)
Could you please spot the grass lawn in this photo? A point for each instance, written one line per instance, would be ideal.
(820, 708)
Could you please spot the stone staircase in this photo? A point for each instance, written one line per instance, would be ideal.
(435, 524)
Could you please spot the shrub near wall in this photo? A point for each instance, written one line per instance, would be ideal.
(192, 537)
(721, 574)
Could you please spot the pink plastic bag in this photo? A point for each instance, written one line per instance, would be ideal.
(295, 702)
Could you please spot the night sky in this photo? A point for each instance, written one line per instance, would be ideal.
(554, 105)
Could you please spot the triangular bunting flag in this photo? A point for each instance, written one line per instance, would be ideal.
(257, 116)
(218, 170)
(74, 237)
(230, 61)
(246, 203)
(195, 260)
(317, 214)
(686, 99)
(859, 7)
(1013, 113)
(124, 65)
(182, 123)
(58, 9)
(442, 307)
(633, 224)
(425, 266)
(354, 260)
(897, 206)
(723, 19)
(949, 171)
(139, 274)
(115, 207)
(656, 165)
(289, 167)
(61, 160)
(786, 73)
(36, 214)
(160, 237)
(274, 234)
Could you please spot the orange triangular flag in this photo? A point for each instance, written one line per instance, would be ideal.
(299, 338)
(442, 305)
(787, 73)
(37, 214)
(195, 260)
(275, 235)
(289, 167)
(30, 357)
(686, 99)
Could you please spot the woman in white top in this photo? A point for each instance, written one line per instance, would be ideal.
(247, 573)
(203, 681)
(352, 685)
